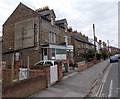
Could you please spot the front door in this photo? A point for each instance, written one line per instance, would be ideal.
(45, 54)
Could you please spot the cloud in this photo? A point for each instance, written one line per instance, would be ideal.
(79, 14)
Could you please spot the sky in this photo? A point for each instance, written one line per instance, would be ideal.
(80, 14)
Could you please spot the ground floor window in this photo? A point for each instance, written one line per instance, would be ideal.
(60, 51)
(45, 52)
(53, 52)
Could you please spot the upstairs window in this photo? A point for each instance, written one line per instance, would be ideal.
(52, 37)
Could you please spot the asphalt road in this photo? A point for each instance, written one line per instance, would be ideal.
(111, 85)
(107, 85)
(76, 85)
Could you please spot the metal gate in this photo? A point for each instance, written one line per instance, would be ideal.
(22, 73)
(53, 74)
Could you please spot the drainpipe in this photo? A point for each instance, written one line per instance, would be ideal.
(12, 68)
(40, 36)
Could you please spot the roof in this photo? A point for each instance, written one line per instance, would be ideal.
(46, 12)
(113, 47)
(42, 9)
(61, 21)
(81, 40)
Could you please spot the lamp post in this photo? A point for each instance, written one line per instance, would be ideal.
(94, 40)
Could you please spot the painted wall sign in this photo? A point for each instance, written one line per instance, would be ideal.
(24, 34)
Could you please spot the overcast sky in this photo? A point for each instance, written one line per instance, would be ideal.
(80, 15)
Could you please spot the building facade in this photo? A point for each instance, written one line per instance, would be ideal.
(35, 35)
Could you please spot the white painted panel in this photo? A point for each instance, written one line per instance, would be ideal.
(23, 73)
(60, 56)
(53, 74)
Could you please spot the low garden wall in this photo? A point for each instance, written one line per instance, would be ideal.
(25, 87)
(83, 65)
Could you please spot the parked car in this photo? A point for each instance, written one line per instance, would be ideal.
(44, 62)
(50, 62)
(118, 55)
(113, 59)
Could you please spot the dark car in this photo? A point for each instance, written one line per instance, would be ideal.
(113, 59)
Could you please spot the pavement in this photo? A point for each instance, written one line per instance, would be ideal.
(77, 84)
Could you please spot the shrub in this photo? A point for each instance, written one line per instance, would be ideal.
(99, 56)
(104, 55)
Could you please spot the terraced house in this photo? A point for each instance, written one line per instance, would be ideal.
(35, 34)
(38, 35)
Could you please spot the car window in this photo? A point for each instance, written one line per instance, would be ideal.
(48, 62)
(40, 63)
(112, 57)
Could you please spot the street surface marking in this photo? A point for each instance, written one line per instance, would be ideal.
(99, 92)
(110, 89)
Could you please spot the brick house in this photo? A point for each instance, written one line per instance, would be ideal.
(81, 45)
(35, 34)
(0, 49)
(38, 35)
(114, 50)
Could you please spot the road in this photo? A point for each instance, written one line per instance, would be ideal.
(108, 84)
(77, 85)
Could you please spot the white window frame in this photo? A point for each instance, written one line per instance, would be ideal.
(17, 56)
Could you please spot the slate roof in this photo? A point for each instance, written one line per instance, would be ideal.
(81, 40)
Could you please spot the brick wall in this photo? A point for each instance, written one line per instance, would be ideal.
(67, 63)
(60, 73)
(75, 50)
(20, 13)
(6, 76)
(25, 88)
(45, 70)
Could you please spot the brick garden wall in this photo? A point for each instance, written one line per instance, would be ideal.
(6, 76)
(25, 88)
(45, 70)
(39, 78)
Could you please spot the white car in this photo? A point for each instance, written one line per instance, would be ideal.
(50, 62)
(44, 62)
